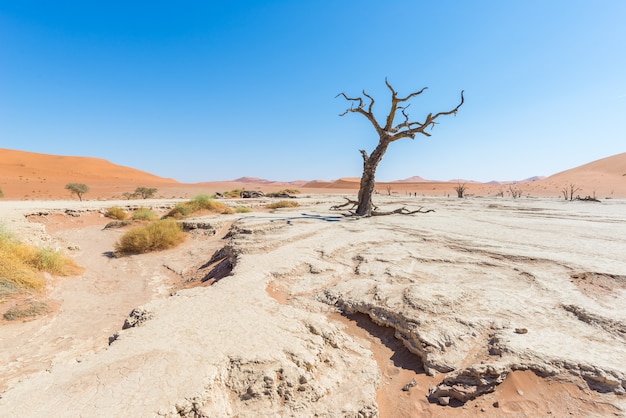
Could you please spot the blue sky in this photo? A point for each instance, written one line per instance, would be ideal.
(215, 90)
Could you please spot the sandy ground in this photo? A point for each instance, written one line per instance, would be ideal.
(526, 258)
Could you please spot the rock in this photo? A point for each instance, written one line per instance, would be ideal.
(409, 385)
(521, 331)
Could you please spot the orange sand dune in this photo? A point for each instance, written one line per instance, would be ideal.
(26, 175)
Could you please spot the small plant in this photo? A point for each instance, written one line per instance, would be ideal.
(197, 204)
(22, 264)
(78, 189)
(243, 209)
(116, 212)
(232, 193)
(143, 214)
(283, 204)
(128, 195)
(159, 235)
(26, 311)
(145, 192)
(1, 193)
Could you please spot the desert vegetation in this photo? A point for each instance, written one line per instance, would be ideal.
(145, 192)
(79, 189)
(1, 193)
(143, 214)
(282, 204)
(116, 212)
(155, 236)
(22, 265)
(197, 204)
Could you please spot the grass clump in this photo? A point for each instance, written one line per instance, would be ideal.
(22, 264)
(143, 214)
(116, 213)
(159, 235)
(283, 204)
(232, 193)
(197, 204)
(29, 310)
(243, 209)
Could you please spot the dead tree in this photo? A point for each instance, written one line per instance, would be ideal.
(515, 192)
(387, 133)
(460, 190)
(571, 189)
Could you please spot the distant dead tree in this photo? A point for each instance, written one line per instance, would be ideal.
(515, 191)
(387, 133)
(389, 190)
(571, 189)
(460, 190)
(78, 189)
(500, 193)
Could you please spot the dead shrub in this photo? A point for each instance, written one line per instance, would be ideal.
(116, 213)
(283, 204)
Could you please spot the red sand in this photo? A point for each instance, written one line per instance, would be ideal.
(32, 176)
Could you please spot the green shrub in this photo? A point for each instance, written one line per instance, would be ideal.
(143, 214)
(116, 213)
(78, 189)
(145, 192)
(232, 193)
(283, 204)
(197, 204)
(243, 209)
(159, 235)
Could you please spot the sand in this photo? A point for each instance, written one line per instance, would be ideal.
(488, 306)
(329, 315)
(32, 176)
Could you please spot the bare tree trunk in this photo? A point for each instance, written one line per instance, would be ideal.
(368, 179)
(387, 134)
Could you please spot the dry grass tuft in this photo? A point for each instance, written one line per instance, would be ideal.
(159, 235)
(22, 264)
(143, 214)
(283, 204)
(197, 204)
(116, 213)
(26, 311)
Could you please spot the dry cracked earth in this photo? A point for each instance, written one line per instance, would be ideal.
(484, 307)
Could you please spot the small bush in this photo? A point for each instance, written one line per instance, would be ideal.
(1, 193)
(232, 193)
(243, 209)
(22, 265)
(143, 214)
(283, 204)
(29, 310)
(159, 235)
(116, 213)
(197, 204)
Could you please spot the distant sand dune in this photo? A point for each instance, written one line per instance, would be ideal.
(33, 176)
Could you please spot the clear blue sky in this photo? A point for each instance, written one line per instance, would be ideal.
(214, 90)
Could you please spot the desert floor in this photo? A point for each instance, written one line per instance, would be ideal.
(485, 307)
